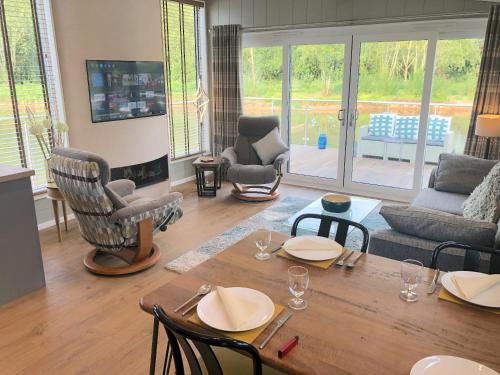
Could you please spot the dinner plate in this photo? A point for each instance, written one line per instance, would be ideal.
(211, 311)
(488, 298)
(445, 364)
(314, 255)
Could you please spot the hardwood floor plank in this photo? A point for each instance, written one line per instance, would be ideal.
(86, 324)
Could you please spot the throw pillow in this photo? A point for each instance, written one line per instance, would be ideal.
(461, 173)
(484, 202)
(269, 147)
(438, 226)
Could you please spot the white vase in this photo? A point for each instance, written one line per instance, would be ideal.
(48, 172)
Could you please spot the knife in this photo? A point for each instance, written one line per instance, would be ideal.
(433, 286)
(281, 321)
(190, 308)
(278, 248)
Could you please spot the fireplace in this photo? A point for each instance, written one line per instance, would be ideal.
(143, 174)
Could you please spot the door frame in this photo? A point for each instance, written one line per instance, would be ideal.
(434, 30)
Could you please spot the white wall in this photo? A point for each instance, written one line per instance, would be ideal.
(109, 30)
(265, 13)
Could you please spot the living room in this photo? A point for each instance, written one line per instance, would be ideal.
(250, 186)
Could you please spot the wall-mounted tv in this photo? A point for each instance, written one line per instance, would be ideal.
(121, 90)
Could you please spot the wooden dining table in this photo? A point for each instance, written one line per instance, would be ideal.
(355, 322)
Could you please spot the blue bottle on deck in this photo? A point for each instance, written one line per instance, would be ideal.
(322, 141)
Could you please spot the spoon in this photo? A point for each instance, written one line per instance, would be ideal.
(204, 289)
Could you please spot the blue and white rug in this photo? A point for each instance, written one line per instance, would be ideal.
(273, 218)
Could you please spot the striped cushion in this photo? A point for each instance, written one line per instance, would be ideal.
(438, 128)
(406, 127)
(381, 124)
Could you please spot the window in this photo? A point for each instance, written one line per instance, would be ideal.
(186, 98)
(27, 79)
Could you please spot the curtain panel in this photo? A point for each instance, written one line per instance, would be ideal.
(487, 98)
(227, 106)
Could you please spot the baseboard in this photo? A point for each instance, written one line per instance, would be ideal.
(52, 223)
(183, 180)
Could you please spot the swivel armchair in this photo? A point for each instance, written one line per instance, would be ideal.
(245, 169)
(110, 216)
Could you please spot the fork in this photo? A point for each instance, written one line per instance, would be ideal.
(342, 261)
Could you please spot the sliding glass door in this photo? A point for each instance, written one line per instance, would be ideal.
(386, 102)
(317, 102)
(366, 109)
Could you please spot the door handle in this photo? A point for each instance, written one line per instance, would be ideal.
(353, 117)
(341, 116)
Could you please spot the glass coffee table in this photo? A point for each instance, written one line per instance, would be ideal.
(360, 208)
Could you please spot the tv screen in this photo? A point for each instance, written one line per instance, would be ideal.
(121, 90)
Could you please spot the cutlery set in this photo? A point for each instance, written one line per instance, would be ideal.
(342, 261)
(433, 285)
(202, 290)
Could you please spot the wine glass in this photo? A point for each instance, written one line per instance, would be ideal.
(262, 241)
(298, 280)
(411, 276)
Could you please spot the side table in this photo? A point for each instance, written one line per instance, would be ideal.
(215, 166)
(55, 196)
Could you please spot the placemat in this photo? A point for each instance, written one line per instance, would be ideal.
(324, 264)
(447, 296)
(247, 336)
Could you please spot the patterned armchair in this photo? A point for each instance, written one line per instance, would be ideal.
(110, 216)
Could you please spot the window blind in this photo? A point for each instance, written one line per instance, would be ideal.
(181, 26)
(27, 79)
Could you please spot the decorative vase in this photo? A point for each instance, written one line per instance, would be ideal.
(336, 203)
(48, 172)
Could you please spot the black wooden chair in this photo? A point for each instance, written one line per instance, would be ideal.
(182, 340)
(472, 257)
(342, 228)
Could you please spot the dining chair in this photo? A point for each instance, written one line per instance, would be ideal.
(472, 257)
(182, 340)
(342, 228)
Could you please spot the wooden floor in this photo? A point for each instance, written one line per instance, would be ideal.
(85, 324)
(311, 161)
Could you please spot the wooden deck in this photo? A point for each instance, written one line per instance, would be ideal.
(311, 161)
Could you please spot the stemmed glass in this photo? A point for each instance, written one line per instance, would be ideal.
(298, 280)
(411, 276)
(262, 241)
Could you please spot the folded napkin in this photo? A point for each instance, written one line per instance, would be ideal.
(238, 310)
(470, 287)
(311, 243)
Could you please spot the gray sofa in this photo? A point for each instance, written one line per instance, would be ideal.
(435, 216)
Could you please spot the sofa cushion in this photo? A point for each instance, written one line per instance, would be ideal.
(438, 127)
(269, 147)
(438, 226)
(251, 174)
(381, 124)
(461, 173)
(484, 202)
(451, 203)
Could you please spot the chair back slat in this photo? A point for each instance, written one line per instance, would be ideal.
(209, 358)
(180, 337)
(341, 231)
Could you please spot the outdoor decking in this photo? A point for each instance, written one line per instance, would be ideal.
(310, 161)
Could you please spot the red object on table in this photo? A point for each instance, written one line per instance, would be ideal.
(288, 346)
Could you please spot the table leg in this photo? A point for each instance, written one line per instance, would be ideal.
(55, 207)
(65, 214)
(154, 346)
(198, 182)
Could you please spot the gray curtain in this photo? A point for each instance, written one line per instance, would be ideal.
(226, 62)
(487, 99)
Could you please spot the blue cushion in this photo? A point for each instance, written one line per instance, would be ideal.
(438, 128)
(406, 127)
(381, 124)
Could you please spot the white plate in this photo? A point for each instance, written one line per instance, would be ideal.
(445, 364)
(211, 312)
(315, 255)
(488, 298)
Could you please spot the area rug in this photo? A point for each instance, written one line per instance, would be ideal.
(273, 218)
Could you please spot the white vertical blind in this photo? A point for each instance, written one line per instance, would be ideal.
(181, 26)
(27, 79)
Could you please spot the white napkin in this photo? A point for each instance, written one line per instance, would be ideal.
(470, 287)
(239, 310)
(311, 243)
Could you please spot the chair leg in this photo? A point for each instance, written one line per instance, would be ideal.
(256, 193)
(154, 347)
